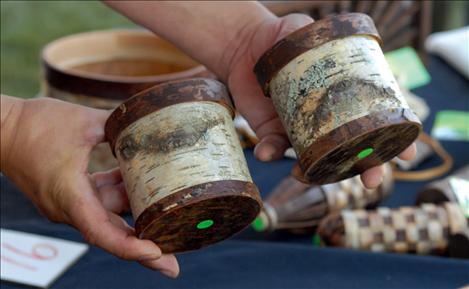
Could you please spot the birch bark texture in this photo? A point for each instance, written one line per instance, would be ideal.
(337, 98)
(183, 165)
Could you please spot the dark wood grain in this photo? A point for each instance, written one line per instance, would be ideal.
(232, 205)
(387, 132)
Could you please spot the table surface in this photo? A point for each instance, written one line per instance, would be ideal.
(254, 260)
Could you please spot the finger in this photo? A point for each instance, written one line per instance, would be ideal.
(120, 223)
(250, 100)
(111, 177)
(271, 147)
(105, 229)
(409, 153)
(260, 113)
(94, 126)
(114, 198)
(372, 177)
(293, 22)
(167, 265)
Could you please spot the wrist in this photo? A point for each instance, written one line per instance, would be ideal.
(11, 110)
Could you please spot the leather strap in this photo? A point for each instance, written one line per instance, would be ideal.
(431, 173)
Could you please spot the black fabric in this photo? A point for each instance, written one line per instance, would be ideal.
(253, 260)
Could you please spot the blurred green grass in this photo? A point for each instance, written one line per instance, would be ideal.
(26, 26)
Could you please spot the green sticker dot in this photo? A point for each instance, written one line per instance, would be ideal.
(364, 153)
(258, 225)
(205, 224)
(316, 240)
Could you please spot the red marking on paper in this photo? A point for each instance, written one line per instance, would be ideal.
(19, 264)
(36, 252)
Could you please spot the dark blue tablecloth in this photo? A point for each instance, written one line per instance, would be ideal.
(253, 260)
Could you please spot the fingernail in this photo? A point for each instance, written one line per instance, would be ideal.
(257, 151)
(269, 157)
(168, 273)
(150, 257)
(265, 152)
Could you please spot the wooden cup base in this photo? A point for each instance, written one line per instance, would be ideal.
(336, 156)
(172, 223)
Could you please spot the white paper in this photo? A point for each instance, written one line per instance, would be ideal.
(36, 260)
(461, 190)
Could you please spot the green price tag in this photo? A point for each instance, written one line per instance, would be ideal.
(406, 66)
(451, 125)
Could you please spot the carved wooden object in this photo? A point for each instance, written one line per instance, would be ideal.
(100, 69)
(423, 230)
(299, 207)
(444, 190)
(337, 98)
(183, 167)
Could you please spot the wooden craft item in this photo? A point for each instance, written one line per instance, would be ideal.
(443, 190)
(337, 98)
(299, 207)
(183, 167)
(423, 230)
(100, 69)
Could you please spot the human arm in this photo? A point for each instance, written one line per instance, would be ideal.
(229, 37)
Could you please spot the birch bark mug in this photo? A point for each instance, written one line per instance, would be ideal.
(183, 167)
(337, 98)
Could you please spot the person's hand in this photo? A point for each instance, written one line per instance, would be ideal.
(258, 109)
(228, 37)
(45, 151)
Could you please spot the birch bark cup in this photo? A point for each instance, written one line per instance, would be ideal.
(337, 98)
(100, 69)
(183, 167)
(427, 229)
